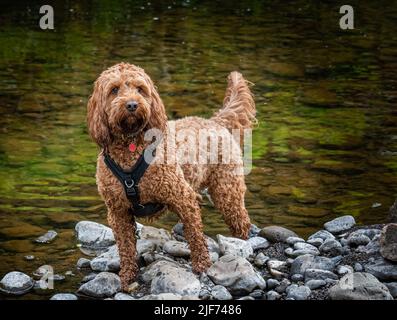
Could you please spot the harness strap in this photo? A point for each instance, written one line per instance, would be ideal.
(129, 180)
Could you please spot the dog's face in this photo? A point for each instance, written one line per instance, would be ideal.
(124, 102)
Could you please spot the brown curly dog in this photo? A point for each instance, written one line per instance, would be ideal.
(123, 107)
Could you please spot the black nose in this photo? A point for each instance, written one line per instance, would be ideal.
(131, 105)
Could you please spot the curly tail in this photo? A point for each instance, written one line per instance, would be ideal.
(238, 111)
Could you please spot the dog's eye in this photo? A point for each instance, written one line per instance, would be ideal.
(140, 90)
(115, 90)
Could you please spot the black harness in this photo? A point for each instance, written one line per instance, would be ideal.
(129, 180)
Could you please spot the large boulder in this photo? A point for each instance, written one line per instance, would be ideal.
(340, 224)
(104, 285)
(94, 235)
(276, 233)
(359, 286)
(236, 274)
(234, 246)
(388, 242)
(16, 283)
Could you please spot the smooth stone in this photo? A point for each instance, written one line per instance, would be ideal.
(246, 298)
(162, 296)
(358, 267)
(357, 239)
(322, 234)
(104, 285)
(388, 242)
(297, 277)
(331, 246)
(171, 278)
(318, 274)
(236, 274)
(123, 296)
(304, 246)
(234, 246)
(47, 237)
(89, 277)
(315, 242)
(298, 292)
(212, 245)
(284, 284)
(340, 224)
(392, 286)
(371, 248)
(257, 294)
(272, 283)
(95, 235)
(293, 240)
(16, 283)
(359, 286)
(258, 243)
(83, 263)
(315, 284)
(342, 270)
(260, 259)
(220, 293)
(154, 268)
(272, 295)
(64, 296)
(304, 262)
(204, 294)
(254, 230)
(157, 236)
(107, 261)
(382, 269)
(276, 234)
(177, 248)
(276, 264)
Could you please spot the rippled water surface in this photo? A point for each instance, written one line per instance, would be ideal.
(326, 143)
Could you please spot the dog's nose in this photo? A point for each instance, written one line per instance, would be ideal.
(131, 105)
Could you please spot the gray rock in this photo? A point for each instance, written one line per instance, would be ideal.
(83, 263)
(220, 293)
(246, 298)
(318, 274)
(257, 294)
(162, 296)
(331, 246)
(315, 284)
(272, 295)
(171, 278)
(272, 283)
(322, 234)
(304, 262)
(154, 268)
(359, 286)
(212, 245)
(104, 285)
(356, 239)
(382, 269)
(155, 235)
(107, 261)
(388, 242)
(297, 277)
(94, 235)
(284, 284)
(177, 248)
(178, 229)
(144, 246)
(340, 224)
(298, 292)
(342, 270)
(64, 296)
(358, 267)
(89, 277)
(293, 240)
(123, 296)
(236, 274)
(16, 283)
(254, 230)
(260, 259)
(47, 237)
(204, 294)
(392, 286)
(315, 242)
(372, 247)
(258, 243)
(234, 246)
(304, 246)
(277, 234)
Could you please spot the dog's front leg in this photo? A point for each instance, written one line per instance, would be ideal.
(187, 207)
(123, 224)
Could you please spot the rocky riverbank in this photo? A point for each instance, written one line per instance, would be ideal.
(342, 261)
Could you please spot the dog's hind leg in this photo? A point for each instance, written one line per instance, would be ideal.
(227, 192)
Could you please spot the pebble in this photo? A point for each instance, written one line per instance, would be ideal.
(272, 295)
(298, 292)
(64, 296)
(322, 234)
(234, 246)
(315, 284)
(315, 242)
(16, 283)
(357, 239)
(340, 224)
(342, 270)
(297, 277)
(83, 263)
(272, 283)
(276, 233)
(358, 267)
(177, 248)
(293, 240)
(260, 259)
(104, 285)
(283, 286)
(258, 243)
(48, 237)
(331, 246)
(318, 274)
(123, 296)
(220, 293)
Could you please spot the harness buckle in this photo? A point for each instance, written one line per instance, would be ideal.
(129, 183)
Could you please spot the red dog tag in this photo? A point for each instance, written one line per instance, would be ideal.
(132, 147)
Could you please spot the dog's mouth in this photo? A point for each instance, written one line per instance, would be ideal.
(135, 126)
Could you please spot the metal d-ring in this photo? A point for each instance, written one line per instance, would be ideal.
(129, 184)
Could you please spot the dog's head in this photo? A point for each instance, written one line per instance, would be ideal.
(124, 102)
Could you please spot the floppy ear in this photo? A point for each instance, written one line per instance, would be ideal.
(96, 117)
(158, 116)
